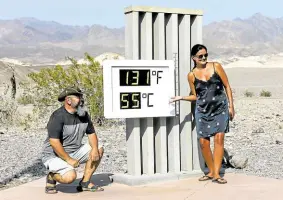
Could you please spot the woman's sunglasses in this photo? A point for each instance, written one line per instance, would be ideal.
(201, 56)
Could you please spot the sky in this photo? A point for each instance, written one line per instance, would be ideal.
(110, 13)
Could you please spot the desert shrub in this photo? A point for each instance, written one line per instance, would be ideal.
(45, 86)
(8, 109)
(265, 93)
(25, 99)
(248, 93)
(11, 117)
(26, 121)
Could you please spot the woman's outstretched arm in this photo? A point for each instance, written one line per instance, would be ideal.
(192, 96)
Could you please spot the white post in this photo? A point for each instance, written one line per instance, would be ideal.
(196, 35)
(160, 123)
(185, 107)
(133, 125)
(173, 123)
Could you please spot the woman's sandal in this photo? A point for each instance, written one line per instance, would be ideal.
(219, 180)
(50, 187)
(84, 186)
(205, 178)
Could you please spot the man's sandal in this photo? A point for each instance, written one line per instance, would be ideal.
(205, 178)
(84, 186)
(219, 180)
(50, 187)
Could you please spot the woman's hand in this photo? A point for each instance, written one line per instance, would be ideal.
(175, 98)
(231, 112)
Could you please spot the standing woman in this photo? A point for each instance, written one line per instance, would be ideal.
(214, 108)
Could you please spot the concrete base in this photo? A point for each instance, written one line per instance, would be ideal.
(239, 187)
(144, 179)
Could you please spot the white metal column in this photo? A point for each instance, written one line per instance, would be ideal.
(166, 145)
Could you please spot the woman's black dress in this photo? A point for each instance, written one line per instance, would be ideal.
(211, 112)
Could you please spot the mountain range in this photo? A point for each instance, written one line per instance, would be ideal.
(256, 35)
(35, 41)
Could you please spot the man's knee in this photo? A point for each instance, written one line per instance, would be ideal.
(69, 176)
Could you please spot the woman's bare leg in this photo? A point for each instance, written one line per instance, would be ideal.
(218, 155)
(207, 154)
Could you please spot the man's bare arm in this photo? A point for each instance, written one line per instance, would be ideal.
(58, 148)
(93, 141)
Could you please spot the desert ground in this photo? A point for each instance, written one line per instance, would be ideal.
(255, 80)
(255, 134)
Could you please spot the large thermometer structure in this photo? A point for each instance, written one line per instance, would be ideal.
(138, 88)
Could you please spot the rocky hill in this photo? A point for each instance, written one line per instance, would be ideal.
(35, 41)
(256, 35)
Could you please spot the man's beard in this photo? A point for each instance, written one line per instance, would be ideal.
(80, 109)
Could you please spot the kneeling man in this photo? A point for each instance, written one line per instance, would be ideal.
(63, 149)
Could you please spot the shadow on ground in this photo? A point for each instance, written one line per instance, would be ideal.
(102, 179)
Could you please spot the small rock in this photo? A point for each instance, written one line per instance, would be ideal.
(2, 183)
(259, 130)
(239, 161)
(227, 156)
(229, 134)
(279, 140)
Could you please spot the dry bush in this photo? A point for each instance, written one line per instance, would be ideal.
(265, 93)
(43, 88)
(248, 93)
(10, 117)
(8, 108)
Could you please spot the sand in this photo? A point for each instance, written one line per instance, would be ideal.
(255, 80)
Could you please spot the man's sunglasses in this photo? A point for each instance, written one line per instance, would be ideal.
(201, 56)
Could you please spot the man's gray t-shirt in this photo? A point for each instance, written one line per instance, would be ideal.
(69, 128)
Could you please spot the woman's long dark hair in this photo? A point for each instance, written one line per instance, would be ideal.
(195, 50)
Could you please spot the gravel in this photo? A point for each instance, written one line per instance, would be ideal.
(21, 151)
(19, 156)
(256, 134)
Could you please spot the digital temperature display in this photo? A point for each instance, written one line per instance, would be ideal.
(138, 88)
(134, 77)
(130, 100)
